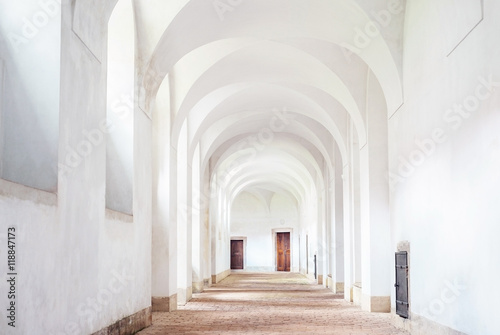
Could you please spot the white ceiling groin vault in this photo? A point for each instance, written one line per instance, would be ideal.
(245, 75)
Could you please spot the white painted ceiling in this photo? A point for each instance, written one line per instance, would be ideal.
(267, 89)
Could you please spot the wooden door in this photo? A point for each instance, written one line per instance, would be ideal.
(237, 254)
(283, 251)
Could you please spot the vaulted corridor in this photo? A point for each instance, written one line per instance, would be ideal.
(150, 148)
(270, 303)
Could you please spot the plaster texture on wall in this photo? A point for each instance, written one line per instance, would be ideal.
(52, 300)
(446, 164)
(80, 269)
(33, 214)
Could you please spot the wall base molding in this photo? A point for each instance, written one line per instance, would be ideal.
(164, 304)
(130, 324)
(419, 325)
(375, 304)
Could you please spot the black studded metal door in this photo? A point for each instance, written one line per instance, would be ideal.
(401, 285)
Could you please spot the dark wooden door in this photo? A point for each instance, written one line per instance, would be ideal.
(283, 251)
(237, 254)
(401, 285)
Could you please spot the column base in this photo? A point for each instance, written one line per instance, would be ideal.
(184, 295)
(335, 287)
(329, 282)
(164, 304)
(320, 279)
(130, 324)
(217, 278)
(357, 294)
(376, 304)
(198, 287)
(348, 294)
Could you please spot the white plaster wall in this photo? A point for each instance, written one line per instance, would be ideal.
(80, 267)
(38, 241)
(256, 219)
(445, 166)
(49, 300)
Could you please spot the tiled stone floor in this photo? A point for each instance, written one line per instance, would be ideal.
(269, 303)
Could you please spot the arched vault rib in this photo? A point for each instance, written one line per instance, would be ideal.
(283, 147)
(254, 100)
(250, 65)
(257, 189)
(197, 24)
(277, 185)
(300, 129)
(252, 175)
(284, 160)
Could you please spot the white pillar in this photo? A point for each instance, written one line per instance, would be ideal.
(348, 232)
(184, 229)
(197, 214)
(377, 256)
(352, 220)
(164, 237)
(321, 238)
(330, 225)
(356, 201)
(206, 231)
(214, 210)
(337, 225)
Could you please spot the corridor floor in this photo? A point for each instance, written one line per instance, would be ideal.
(269, 303)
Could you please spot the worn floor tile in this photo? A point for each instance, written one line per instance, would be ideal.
(270, 303)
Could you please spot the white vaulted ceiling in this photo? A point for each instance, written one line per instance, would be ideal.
(294, 71)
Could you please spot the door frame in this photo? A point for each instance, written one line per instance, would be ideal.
(274, 236)
(239, 238)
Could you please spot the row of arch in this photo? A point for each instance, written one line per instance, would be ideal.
(227, 97)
